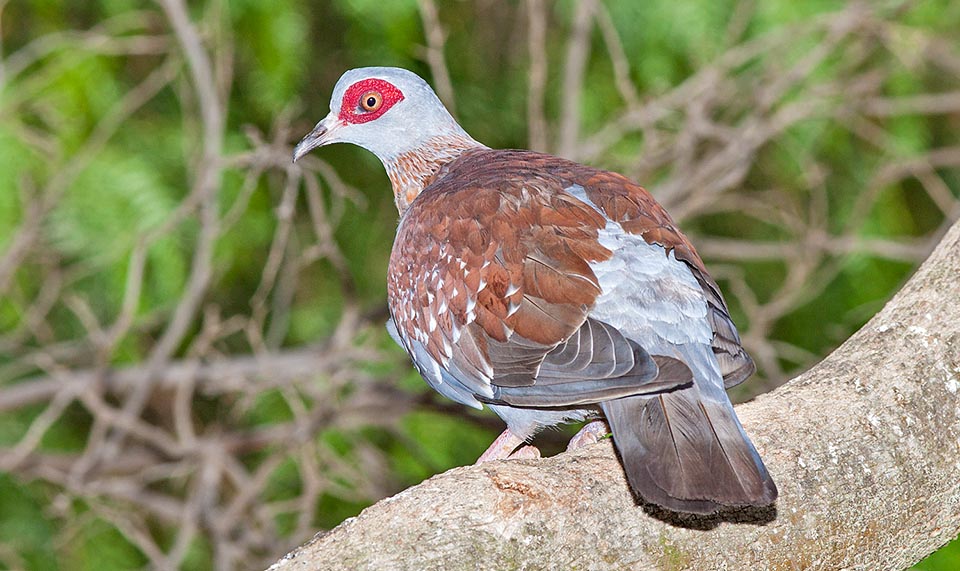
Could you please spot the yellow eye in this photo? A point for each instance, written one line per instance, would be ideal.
(371, 101)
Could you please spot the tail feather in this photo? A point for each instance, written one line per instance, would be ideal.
(687, 453)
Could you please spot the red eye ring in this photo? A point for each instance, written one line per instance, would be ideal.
(371, 101)
(367, 100)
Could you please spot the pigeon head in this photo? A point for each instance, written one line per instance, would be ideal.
(388, 111)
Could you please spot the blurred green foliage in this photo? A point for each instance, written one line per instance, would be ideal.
(286, 57)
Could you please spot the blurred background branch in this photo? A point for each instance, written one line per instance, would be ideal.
(193, 366)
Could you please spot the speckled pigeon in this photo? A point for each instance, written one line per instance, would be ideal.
(553, 292)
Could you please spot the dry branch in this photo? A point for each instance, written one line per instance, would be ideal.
(865, 448)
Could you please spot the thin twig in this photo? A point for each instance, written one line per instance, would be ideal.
(436, 40)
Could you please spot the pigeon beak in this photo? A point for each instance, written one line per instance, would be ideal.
(321, 135)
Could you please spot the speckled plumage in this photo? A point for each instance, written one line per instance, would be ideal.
(556, 292)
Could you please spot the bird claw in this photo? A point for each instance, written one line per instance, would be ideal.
(591, 433)
(505, 448)
(525, 453)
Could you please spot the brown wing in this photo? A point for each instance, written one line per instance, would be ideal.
(637, 212)
(490, 278)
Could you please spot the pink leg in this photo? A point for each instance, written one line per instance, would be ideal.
(505, 446)
(589, 434)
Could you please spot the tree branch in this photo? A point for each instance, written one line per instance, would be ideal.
(865, 449)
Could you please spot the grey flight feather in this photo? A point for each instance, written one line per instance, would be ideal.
(595, 364)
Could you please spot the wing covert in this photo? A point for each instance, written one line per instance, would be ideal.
(490, 278)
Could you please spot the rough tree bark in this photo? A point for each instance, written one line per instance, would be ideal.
(865, 448)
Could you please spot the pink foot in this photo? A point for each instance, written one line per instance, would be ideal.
(591, 433)
(505, 446)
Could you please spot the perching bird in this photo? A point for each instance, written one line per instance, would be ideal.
(553, 292)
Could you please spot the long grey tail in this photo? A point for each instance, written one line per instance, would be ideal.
(688, 452)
